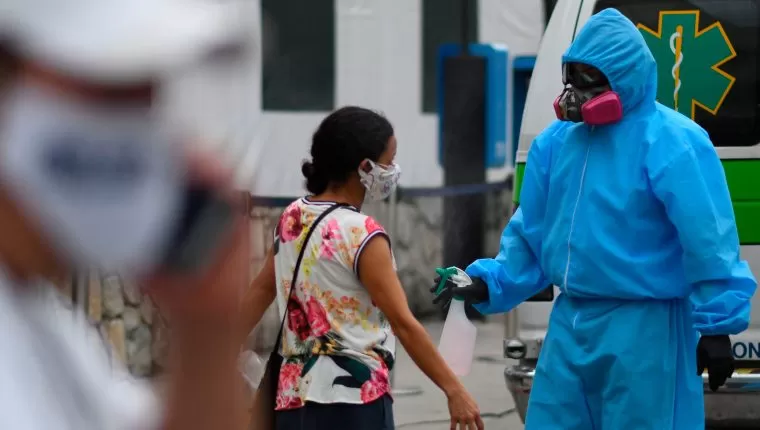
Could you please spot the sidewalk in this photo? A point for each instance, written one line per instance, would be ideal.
(429, 411)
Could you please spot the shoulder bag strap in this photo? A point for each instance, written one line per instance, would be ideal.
(297, 267)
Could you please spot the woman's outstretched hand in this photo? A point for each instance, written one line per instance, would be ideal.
(465, 414)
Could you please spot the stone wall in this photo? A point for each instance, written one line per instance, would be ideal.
(128, 320)
(133, 326)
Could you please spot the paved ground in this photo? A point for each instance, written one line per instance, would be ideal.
(428, 410)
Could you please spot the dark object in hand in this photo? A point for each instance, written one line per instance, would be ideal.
(714, 354)
(475, 293)
(204, 219)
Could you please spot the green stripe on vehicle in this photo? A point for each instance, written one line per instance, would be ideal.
(743, 177)
(517, 184)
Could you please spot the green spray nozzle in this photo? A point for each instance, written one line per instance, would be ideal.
(445, 274)
(459, 277)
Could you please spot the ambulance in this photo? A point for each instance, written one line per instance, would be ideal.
(707, 57)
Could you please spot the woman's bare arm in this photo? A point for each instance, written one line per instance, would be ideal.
(260, 295)
(378, 276)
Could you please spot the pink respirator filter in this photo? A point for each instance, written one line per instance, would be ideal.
(603, 109)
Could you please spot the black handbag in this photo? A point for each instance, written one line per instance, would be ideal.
(263, 410)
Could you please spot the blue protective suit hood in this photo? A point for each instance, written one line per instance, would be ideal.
(610, 42)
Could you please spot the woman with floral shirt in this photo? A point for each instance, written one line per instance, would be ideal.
(347, 308)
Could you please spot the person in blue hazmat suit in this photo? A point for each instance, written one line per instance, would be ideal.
(626, 209)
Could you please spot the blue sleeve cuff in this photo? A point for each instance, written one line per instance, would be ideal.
(479, 269)
(722, 306)
(507, 287)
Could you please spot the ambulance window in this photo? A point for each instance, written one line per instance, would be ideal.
(441, 23)
(298, 72)
(728, 36)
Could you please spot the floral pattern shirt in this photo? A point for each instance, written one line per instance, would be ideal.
(337, 346)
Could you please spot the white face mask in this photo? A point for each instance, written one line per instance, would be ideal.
(103, 184)
(380, 181)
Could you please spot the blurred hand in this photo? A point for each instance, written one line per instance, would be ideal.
(211, 297)
(464, 412)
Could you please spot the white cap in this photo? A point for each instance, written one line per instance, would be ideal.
(120, 40)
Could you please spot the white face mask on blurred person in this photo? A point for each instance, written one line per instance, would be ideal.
(102, 182)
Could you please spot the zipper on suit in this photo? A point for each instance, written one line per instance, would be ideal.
(572, 219)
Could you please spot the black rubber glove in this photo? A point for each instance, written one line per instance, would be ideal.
(714, 353)
(475, 293)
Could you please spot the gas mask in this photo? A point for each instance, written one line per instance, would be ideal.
(106, 185)
(587, 97)
(380, 181)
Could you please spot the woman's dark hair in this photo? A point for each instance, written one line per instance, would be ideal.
(343, 140)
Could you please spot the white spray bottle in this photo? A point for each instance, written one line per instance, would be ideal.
(457, 344)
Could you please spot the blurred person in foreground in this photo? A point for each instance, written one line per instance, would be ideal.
(347, 306)
(91, 178)
(626, 209)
